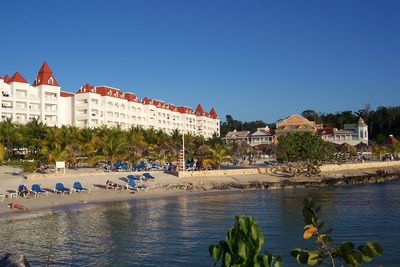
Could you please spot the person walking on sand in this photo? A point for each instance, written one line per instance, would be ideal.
(14, 205)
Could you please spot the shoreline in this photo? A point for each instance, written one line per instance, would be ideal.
(169, 186)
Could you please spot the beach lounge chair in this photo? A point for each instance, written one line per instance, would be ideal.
(131, 185)
(2, 196)
(148, 176)
(60, 188)
(37, 190)
(134, 177)
(112, 185)
(77, 187)
(23, 190)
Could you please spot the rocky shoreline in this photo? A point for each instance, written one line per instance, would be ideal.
(380, 176)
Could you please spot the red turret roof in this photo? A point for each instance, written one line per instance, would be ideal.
(6, 78)
(1, 78)
(17, 77)
(45, 76)
(200, 111)
(213, 113)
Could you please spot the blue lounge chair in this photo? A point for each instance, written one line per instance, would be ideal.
(134, 177)
(37, 190)
(77, 187)
(148, 176)
(60, 188)
(133, 186)
(23, 190)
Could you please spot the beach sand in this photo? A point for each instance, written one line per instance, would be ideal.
(164, 185)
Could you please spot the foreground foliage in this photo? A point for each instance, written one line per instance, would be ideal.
(325, 252)
(243, 244)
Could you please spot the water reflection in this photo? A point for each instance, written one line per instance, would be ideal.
(176, 231)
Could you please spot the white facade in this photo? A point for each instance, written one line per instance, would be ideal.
(23, 102)
(93, 106)
(352, 134)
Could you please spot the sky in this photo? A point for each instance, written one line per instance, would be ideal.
(251, 59)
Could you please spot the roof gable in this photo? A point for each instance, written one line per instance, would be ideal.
(17, 77)
(45, 76)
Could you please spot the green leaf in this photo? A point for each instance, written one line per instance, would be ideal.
(313, 259)
(215, 252)
(375, 247)
(309, 213)
(302, 257)
(242, 250)
(295, 252)
(267, 259)
(227, 259)
(278, 262)
(346, 247)
(324, 238)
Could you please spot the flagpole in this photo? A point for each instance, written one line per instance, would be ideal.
(183, 155)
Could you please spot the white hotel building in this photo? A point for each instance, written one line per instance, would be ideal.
(93, 106)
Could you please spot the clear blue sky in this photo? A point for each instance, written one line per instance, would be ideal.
(255, 60)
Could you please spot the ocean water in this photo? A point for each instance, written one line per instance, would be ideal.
(176, 231)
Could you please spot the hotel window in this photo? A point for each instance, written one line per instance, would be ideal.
(50, 81)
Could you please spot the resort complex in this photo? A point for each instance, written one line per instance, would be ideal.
(93, 106)
(352, 134)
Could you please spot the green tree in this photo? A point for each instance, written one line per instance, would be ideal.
(304, 152)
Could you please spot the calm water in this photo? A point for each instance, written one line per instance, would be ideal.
(177, 231)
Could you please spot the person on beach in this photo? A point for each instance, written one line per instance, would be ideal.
(14, 205)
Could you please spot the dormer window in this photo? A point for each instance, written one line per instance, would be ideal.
(50, 81)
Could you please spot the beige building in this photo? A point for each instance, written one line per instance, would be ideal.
(294, 123)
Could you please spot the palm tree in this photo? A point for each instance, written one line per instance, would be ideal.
(7, 131)
(217, 155)
(87, 141)
(114, 147)
(2, 153)
(136, 143)
(34, 133)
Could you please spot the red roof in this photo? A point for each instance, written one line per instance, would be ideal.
(325, 131)
(213, 113)
(17, 77)
(45, 76)
(66, 94)
(200, 111)
(185, 110)
(1, 77)
(147, 101)
(131, 97)
(6, 78)
(391, 140)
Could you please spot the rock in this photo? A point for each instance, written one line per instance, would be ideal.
(16, 259)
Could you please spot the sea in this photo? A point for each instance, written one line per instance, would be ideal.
(177, 230)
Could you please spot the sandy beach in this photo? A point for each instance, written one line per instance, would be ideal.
(164, 185)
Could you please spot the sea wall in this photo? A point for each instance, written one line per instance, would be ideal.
(231, 172)
(324, 168)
